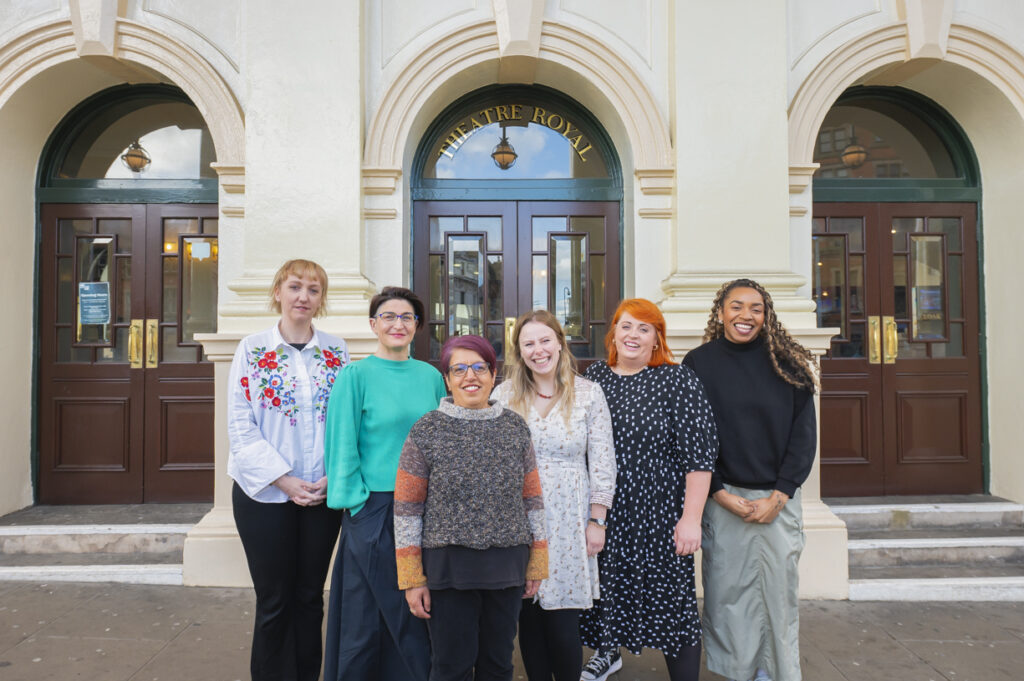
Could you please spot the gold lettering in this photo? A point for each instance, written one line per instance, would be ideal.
(568, 128)
(502, 112)
(487, 114)
(463, 133)
(583, 151)
(517, 113)
(476, 123)
(552, 126)
(538, 115)
(444, 150)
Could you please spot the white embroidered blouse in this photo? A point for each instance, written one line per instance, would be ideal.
(277, 405)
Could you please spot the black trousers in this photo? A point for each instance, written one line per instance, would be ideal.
(549, 641)
(473, 629)
(288, 548)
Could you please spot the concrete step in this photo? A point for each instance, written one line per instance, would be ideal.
(168, 574)
(882, 552)
(51, 559)
(999, 589)
(971, 512)
(125, 539)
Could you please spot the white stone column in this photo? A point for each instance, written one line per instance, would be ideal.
(732, 208)
(298, 196)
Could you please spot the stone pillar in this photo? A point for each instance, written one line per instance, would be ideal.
(733, 212)
(299, 196)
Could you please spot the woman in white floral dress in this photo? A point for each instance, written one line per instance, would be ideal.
(572, 434)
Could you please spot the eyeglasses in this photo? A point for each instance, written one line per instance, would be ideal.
(391, 317)
(459, 370)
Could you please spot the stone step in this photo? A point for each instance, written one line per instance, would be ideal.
(963, 550)
(106, 538)
(970, 513)
(162, 573)
(42, 560)
(998, 588)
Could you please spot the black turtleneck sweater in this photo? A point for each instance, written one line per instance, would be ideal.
(767, 428)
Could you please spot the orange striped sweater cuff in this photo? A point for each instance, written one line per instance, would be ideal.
(410, 567)
(537, 567)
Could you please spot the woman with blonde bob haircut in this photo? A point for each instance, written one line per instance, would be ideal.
(665, 447)
(571, 431)
(280, 382)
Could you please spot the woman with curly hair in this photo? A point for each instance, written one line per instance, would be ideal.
(761, 386)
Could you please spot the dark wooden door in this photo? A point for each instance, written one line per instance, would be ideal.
(125, 400)
(901, 394)
(480, 264)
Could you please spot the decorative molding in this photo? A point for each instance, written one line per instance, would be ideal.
(928, 24)
(692, 291)
(232, 177)
(797, 211)
(518, 24)
(194, 31)
(348, 294)
(656, 213)
(476, 44)
(380, 213)
(382, 181)
(233, 211)
(886, 48)
(24, 57)
(656, 181)
(94, 23)
(800, 176)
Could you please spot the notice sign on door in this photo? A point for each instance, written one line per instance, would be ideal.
(94, 302)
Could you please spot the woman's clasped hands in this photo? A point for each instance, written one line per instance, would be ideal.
(762, 511)
(301, 492)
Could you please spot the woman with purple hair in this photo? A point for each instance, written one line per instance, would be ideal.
(470, 540)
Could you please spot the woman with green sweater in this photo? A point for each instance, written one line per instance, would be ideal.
(371, 635)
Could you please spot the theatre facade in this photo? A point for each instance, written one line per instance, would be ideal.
(159, 160)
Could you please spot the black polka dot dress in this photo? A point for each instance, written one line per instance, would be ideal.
(663, 428)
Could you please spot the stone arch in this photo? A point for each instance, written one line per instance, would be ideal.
(988, 57)
(476, 46)
(30, 54)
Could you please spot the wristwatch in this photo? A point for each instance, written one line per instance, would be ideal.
(600, 522)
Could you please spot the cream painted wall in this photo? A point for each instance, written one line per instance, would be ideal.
(996, 130)
(26, 122)
(18, 16)
(304, 147)
(732, 158)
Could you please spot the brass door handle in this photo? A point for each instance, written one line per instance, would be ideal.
(135, 344)
(874, 340)
(152, 343)
(890, 348)
(510, 326)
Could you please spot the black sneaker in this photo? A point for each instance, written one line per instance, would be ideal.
(601, 666)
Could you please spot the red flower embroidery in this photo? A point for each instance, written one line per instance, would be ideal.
(271, 355)
(247, 396)
(245, 381)
(269, 392)
(271, 365)
(276, 402)
(262, 364)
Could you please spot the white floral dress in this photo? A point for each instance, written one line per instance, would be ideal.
(576, 462)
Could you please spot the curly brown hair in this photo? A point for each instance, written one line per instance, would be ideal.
(794, 363)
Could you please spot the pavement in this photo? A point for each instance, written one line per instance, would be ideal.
(117, 632)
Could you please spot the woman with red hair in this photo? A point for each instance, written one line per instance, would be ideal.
(665, 448)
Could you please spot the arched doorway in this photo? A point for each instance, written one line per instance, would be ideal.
(127, 276)
(895, 267)
(516, 206)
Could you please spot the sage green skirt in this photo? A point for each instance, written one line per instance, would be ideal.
(751, 608)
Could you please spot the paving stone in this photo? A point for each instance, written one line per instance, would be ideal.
(59, 658)
(973, 660)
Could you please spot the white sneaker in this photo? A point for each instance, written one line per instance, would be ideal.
(600, 667)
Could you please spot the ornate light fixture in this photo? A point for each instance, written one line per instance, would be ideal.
(853, 155)
(136, 158)
(504, 155)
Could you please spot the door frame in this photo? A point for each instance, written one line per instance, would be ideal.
(51, 189)
(965, 189)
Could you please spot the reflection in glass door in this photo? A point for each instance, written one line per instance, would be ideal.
(488, 262)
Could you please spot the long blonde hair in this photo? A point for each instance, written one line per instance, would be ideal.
(520, 378)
